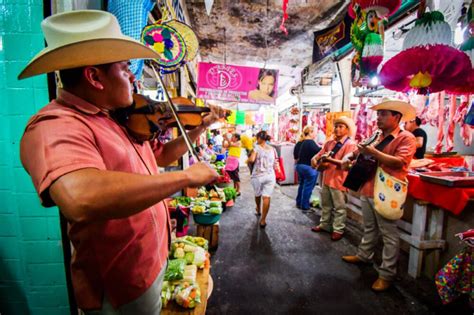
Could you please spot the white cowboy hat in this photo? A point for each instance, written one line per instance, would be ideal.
(83, 38)
(408, 112)
(348, 122)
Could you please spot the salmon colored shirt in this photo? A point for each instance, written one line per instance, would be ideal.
(404, 147)
(119, 258)
(334, 176)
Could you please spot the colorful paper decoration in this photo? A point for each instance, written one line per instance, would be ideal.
(428, 63)
(285, 17)
(232, 117)
(200, 102)
(382, 7)
(208, 4)
(190, 38)
(468, 47)
(166, 41)
(240, 117)
(250, 118)
(367, 36)
(268, 117)
(258, 118)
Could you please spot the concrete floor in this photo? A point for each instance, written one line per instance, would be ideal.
(287, 269)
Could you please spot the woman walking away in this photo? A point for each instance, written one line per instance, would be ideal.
(263, 175)
(307, 175)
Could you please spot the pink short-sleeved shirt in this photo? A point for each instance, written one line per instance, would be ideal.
(334, 176)
(119, 258)
(404, 147)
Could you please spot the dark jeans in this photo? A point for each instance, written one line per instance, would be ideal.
(307, 177)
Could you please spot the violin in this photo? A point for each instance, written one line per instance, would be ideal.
(147, 119)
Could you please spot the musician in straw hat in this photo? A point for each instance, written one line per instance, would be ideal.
(105, 183)
(329, 161)
(398, 150)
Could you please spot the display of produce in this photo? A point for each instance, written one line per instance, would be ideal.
(187, 295)
(175, 270)
(181, 201)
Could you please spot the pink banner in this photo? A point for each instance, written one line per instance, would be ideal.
(236, 83)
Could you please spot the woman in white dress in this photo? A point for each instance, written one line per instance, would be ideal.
(263, 175)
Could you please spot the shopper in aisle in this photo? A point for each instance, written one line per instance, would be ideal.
(307, 175)
(105, 183)
(296, 149)
(420, 135)
(263, 175)
(232, 162)
(218, 140)
(394, 158)
(329, 161)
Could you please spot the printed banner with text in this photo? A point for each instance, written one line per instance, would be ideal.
(331, 39)
(237, 83)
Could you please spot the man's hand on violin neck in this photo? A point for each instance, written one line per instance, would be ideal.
(215, 114)
(200, 174)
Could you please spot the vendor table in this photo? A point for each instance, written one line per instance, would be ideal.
(431, 201)
(452, 199)
(204, 280)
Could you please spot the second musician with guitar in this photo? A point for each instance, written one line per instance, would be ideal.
(393, 152)
(329, 161)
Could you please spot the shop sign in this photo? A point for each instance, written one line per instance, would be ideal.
(237, 83)
(330, 39)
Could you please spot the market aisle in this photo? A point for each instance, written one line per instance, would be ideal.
(287, 269)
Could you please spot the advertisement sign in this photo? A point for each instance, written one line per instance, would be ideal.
(237, 83)
(331, 39)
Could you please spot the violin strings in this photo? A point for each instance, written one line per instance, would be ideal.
(175, 114)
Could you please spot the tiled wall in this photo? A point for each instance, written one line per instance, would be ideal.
(32, 276)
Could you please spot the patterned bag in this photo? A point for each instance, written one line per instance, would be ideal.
(390, 194)
(456, 277)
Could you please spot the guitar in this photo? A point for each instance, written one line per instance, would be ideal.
(364, 167)
(322, 163)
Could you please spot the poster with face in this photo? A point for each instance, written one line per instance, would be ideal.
(237, 83)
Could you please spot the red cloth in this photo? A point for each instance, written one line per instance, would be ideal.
(118, 258)
(452, 199)
(451, 161)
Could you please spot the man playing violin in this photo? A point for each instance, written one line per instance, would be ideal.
(394, 158)
(106, 184)
(329, 161)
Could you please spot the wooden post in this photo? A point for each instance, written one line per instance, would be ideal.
(417, 234)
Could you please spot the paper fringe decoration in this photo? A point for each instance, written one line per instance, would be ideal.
(208, 4)
(285, 17)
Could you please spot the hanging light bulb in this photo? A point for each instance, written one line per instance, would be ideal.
(374, 81)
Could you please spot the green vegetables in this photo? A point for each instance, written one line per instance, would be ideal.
(215, 210)
(175, 270)
(183, 201)
(230, 193)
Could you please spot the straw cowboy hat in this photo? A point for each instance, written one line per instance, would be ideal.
(408, 112)
(348, 122)
(83, 38)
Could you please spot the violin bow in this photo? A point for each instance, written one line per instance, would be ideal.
(181, 128)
